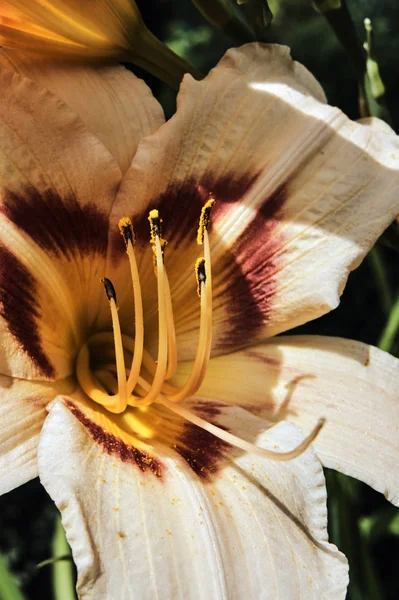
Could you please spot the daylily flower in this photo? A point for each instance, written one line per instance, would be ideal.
(93, 28)
(285, 196)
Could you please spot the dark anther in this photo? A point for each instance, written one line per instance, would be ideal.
(109, 289)
(200, 273)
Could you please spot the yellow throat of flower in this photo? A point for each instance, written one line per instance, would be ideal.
(117, 388)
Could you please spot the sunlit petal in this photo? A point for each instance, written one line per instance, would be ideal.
(302, 378)
(290, 175)
(255, 530)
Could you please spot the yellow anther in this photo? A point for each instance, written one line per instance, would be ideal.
(127, 231)
(204, 220)
(155, 225)
(200, 273)
(156, 230)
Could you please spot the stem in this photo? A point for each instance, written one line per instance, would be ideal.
(391, 329)
(221, 15)
(258, 12)
(375, 88)
(339, 18)
(340, 21)
(381, 277)
(159, 60)
(63, 575)
(9, 589)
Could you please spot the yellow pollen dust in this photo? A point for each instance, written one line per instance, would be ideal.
(156, 230)
(204, 220)
(126, 229)
(117, 386)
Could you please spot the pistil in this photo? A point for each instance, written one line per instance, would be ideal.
(239, 442)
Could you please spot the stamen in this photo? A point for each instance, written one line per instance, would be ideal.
(120, 360)
(204, 220)
(172, 348)
(160, 372)
(196, 376)
(208, 289)
(203, 273)
(127, 231)
(239, 442)
(156, 233)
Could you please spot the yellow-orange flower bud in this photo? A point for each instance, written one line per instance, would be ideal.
(94, 28)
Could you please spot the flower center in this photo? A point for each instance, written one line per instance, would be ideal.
(145, 382)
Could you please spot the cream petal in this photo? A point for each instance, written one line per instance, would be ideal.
(256, 530)
(302, 378)
(53, 228)
(377, 125)
(302, 193)
(22, 413)
(116, 106)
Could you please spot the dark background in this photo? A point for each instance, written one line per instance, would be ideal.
(363, 524)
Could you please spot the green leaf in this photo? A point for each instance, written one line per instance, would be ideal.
(9, 588)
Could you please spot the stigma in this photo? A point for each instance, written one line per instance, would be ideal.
(135, 379)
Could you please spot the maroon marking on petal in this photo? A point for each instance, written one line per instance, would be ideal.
(20, 309)
(251, 269)
(115, 446)
(209, 408)
(58, 225)
(204, 452)
(273, 362)
(247, 270)
(227, 190)
(180, 208)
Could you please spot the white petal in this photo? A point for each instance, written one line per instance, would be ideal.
(22, 413)
(302, 378)
(255, 529)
